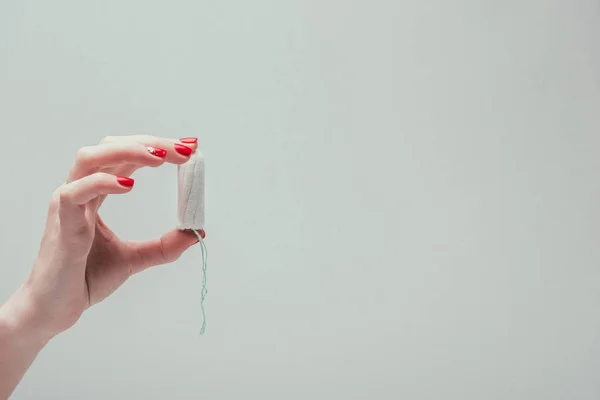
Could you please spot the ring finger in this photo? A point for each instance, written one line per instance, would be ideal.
(178, 151)
(112, 155)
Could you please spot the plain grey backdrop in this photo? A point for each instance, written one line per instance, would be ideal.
(402, 196)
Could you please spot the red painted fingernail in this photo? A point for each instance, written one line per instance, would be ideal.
(202, 233)
(189, 140)
(158, 152)
(125, 181)
(183, 150)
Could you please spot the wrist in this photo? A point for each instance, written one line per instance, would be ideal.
(20, 340)
(20, 319)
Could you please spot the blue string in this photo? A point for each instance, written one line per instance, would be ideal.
(204, 291)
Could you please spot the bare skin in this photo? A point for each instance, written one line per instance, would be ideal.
(80, 260)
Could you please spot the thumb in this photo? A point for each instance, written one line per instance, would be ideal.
(163, 250)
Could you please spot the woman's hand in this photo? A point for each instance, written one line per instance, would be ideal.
(81, 261)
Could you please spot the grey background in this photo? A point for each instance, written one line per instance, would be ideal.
(402, 196)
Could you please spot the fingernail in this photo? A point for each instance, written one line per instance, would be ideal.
(202, 235)
(183, 150)
(189, 140)
(125, 181)
(158, 152)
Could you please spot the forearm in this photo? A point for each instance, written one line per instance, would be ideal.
(20, 341)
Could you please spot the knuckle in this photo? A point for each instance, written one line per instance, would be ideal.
(84, 154)
(135, 147)
(55, 199)
(105, 177)
(63, 196)
(166, 256)
(56, 194)
(100, 177)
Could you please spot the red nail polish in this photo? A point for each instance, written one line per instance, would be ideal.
(202, 233)
(158, 152)
(189, 140)
(183, 150)
(125, 181)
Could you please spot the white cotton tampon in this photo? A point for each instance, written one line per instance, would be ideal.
(190, 210)
(190, 195)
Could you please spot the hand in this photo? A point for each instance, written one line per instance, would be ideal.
(81, 261)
